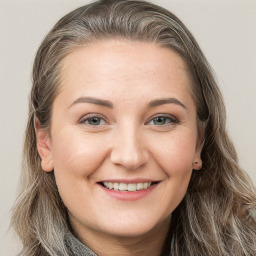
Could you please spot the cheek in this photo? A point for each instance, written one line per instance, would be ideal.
(175, 153)
(175, 157)
(75, 159)
(76, 156)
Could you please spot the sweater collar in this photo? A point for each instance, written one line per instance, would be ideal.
(75, 247)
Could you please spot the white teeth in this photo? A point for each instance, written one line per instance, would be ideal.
(123, 186)
(110, 185)
(139, 186)
(116, 186)
(127, 186)
(132, 187)
(105, 184)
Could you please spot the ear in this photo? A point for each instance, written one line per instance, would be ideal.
(43, 146)
(197, 163)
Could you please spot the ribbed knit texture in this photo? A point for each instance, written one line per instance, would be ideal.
(75, 247)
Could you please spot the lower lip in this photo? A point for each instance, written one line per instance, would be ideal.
(129, 195)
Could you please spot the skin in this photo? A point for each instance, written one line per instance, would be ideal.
(128, 142)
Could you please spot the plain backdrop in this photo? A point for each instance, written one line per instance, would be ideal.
(225, 30)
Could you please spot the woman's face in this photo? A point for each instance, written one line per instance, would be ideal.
(123, 136)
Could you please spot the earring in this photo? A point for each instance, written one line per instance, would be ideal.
(198, 165)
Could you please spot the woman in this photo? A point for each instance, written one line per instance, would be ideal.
(126, 151)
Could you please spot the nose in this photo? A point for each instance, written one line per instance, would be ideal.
(129, 150)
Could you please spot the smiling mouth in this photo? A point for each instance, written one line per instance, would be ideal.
(127, 187)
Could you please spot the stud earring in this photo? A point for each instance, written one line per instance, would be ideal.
(198, 165)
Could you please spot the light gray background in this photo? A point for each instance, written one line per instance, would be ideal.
(226, 31)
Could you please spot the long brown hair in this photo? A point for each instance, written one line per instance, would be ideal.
(211, 219)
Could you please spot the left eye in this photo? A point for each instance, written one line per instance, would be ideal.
(161, 120)
(94, 121)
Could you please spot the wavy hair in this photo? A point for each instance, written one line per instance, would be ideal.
(212, 218)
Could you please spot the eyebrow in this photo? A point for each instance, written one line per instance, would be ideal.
(93, 100)
(163, 101)
(109, 104)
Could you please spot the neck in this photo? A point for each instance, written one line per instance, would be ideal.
(152, 243)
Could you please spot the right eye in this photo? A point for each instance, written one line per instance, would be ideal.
(92, 120)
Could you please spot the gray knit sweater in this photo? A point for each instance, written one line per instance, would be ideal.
(75, 247)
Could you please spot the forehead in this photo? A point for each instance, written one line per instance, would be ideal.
(108, 66)
(117, 53)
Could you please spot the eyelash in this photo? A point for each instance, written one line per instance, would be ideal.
(172, 119)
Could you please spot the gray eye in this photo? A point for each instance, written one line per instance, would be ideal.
(161, 120)
(94, 121)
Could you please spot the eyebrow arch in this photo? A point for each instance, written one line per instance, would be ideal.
(106, 103)
(159, 102)
(93, 100)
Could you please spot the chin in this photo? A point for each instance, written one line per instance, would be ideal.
(134, 227)
(130, 231)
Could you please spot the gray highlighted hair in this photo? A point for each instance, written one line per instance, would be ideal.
(211, 220)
